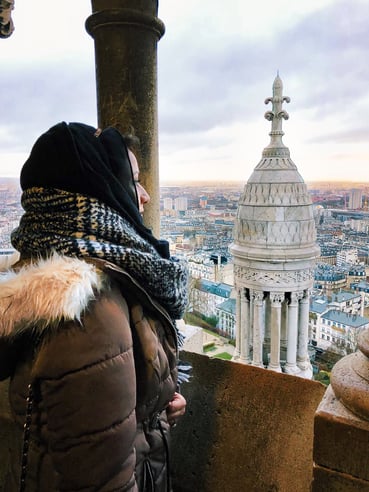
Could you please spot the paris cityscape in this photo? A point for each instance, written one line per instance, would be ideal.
(198, 220)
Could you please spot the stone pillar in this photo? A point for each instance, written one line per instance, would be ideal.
(276, 299)
(284, 330)
(293, 308)
(126, 33)
(257, 359)
(341, 426)
(245, 328)
(237, 351)
(303, 333)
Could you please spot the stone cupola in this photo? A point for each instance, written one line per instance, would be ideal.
(274, 249)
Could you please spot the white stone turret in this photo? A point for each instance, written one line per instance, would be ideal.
(274, 249)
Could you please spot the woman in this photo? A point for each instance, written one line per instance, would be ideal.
(86, 330)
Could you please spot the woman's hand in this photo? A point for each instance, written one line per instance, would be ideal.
(176, 408)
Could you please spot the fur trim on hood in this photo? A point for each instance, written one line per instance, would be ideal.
(45, 291)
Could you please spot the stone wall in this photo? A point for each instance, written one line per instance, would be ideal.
(246, 430)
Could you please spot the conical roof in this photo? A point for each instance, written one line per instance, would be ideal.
(275, 215)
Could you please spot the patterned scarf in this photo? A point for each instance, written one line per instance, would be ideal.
(76, 225)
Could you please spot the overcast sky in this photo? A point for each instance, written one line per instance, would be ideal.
(217, 62)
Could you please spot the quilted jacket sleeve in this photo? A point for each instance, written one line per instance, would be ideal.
(87, 397)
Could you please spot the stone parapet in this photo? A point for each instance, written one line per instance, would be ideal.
(341, 448)
(341, 433)
(246, 429)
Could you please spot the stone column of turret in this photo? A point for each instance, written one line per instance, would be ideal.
(303, 361)
(258, 329)
(275, 340)
(126, 33)
(237, 351)
(244, 333)
(274, 249)
(291, 367)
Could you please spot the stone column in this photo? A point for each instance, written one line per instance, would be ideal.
(293, 310)
(245, 327)
(237, 351)
(303, 333)
(126, 33)
(276, 299)
(257, 359)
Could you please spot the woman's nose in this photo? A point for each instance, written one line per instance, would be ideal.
(143, 195)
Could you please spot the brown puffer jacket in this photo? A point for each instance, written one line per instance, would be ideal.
(101, 357)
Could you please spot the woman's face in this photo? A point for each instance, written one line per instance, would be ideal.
(143, 196)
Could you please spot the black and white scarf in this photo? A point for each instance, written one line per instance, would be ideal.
(77, 225)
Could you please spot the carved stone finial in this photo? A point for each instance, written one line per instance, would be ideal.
(6, 23)
(277, 113)
(350, 379)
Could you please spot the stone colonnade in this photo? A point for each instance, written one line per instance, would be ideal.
(269, 320)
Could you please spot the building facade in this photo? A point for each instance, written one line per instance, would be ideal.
(335, 324)
(226, 314)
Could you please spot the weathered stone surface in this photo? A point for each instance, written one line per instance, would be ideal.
(341, 438)
(341, 432)
(332, 481)
(246, 429)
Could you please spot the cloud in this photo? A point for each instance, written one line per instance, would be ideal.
(203, 84)
(36, 97)
(354, 135)
(215, 68)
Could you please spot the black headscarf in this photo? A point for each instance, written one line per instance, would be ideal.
(70, 157)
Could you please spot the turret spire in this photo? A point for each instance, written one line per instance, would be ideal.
(277, 113)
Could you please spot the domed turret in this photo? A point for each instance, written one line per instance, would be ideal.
(274, 253)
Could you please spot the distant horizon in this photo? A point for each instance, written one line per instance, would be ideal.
(331, 183)
(229, 183)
